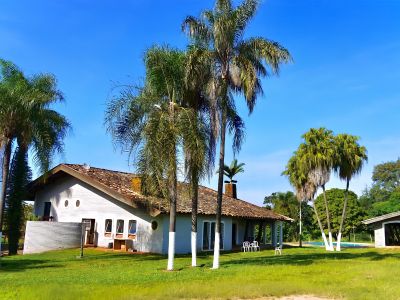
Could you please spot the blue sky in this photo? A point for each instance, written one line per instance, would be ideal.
(345, 74)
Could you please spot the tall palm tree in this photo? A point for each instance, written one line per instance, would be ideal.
(318, 154)
(199, 140)
(156, 122)
(305, 189)
(13, 85)
(233, 169)
(20, 176)
(237, 64)
(350, 159)
(28, 119)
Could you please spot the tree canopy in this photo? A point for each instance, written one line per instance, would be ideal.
(354, 214)
(286, 203)
(232, 170)
(383, 196)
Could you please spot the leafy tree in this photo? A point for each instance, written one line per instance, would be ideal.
(349, 162)
(287, 204)
(336, 200)
(232, 170)
(382, 197)
(237, 65)
(386, 207)
(387, 175)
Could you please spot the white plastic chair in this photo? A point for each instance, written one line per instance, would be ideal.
(246, 247)
(255, 246)
(278, 250)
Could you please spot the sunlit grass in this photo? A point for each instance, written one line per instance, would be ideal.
(351, 274)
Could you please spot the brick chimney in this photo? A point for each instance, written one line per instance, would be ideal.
(230, 190)
(136, 184)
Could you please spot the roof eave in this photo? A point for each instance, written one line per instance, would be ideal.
(94, 183)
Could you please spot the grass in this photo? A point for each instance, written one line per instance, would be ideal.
(351, 274)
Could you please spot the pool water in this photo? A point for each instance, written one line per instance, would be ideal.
(342, 244)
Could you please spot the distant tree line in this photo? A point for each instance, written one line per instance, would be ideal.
(382, 197)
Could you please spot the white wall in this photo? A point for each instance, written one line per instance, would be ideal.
(99, 206)
(46, 236)
(184, 229)
(379, 232)
(380, 236)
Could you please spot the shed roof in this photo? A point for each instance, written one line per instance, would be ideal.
(119, 186)
(382, 218)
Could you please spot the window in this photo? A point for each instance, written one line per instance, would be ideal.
(66, 203)
(209, 235)
(77, 203)
(120, 227)
(154, 225)
(46, 211)
(108, 227)
(132, 227)
(206, 235)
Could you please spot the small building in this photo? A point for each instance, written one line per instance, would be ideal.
(116, 212)
(386, 229)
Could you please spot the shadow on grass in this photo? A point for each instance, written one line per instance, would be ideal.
(308, 258)
(19, 265)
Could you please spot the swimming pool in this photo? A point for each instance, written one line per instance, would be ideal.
(342, 244)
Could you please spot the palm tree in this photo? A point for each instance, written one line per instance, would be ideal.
(237, 64)
(305, 189)
(232, 170)
(199, 140)
(155, 122)
(12, 87)
(27, 118)
(350, 159)
(318, 154)
(20, 176)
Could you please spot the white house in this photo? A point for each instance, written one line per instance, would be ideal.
(115, 211)
(386, 229)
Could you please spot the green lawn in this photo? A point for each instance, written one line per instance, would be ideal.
(351, 274)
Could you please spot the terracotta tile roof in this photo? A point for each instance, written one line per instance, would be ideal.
(120, 184)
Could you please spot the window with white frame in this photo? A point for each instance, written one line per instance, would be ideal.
(209, 235)
(108, 227)
(132, 227)
(120, 227)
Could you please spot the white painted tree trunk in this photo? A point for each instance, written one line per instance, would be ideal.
(330, 242)
(216, 251)
(339, 238)
(325, 241)
(171, 250)
(194, 249)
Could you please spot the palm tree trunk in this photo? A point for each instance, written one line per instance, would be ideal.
(300, 227)
(5, 171)
(220, 192)
(328, 219)
(194, 193)
(172, 218)
(339, 237)
(172, 188)
(18, 178)
(321, 228)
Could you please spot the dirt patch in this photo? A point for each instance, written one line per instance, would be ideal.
(294, 297)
